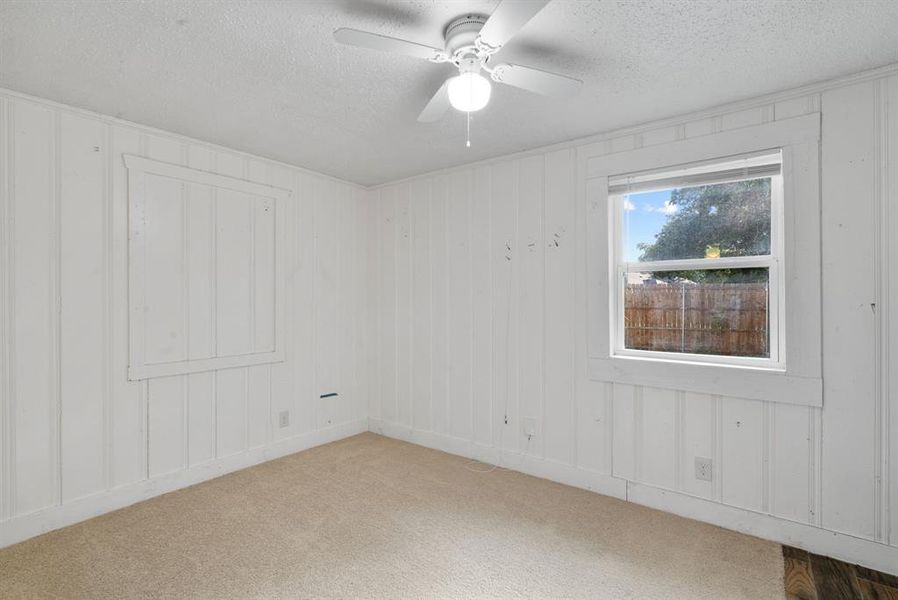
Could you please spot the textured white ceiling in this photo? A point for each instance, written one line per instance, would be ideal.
(266, 76)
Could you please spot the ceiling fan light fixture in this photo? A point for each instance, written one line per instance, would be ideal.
(469, 92)
(471, 43)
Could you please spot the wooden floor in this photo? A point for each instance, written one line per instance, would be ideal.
(814, 577)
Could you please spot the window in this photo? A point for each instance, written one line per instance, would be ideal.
(697, 253)
(771, 352)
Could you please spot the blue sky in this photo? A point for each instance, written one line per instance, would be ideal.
(644, 216)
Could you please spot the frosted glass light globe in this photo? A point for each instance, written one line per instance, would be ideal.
(469, 92)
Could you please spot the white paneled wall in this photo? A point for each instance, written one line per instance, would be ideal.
(76, 437)
(478, 327)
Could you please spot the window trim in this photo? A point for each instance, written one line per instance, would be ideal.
(800, 381)
(772, 261)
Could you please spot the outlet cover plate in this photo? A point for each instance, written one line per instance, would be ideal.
(284, 418)
(704, 469)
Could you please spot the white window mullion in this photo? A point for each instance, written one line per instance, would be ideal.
(700, 264)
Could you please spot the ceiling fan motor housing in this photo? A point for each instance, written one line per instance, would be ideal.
(461, 35)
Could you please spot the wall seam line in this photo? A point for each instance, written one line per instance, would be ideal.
(12, 392)
(213, 308)
(878, 244)
(185, 310)
(107, 229)
(5, 319)
(56, 314)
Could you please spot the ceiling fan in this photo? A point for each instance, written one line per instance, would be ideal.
(471, 42)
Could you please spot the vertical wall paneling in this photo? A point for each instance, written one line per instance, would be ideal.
(263, 286)
(201, 220)
(258, 388)
(343, 351)
(593, 401)
(889, 220)
(82, 181)
(165, 424)
(405, 360)
(166, 208)
(356, 304)
(363, 300)
(697, 425)
(342, 302)
(305, 415)
(481, 314)
(375, 309)
(282, 376)
(849, 369)
(790, 462)
(459, 334)
(235, 273)
(531, 291)
(657, 453)
(326, 292)
(421, 305)
(881, 312)
(886, 201)
(439, 307)
(128, 432)
(7, 322)
(815, 484)
(742, 453)
(55, 227)
(34, 303)
(234, 306)
(560, 247)
(625, 413)
(504, 258)
(388, 368)
(167, 202)
(358, 216)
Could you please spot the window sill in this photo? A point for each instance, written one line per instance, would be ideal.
(757, 383)
(736, 362)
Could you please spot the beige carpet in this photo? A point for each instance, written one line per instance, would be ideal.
(371, 517)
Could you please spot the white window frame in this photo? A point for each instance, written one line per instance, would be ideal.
(797, 376)
(772, 261)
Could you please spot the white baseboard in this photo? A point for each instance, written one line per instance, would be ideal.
(571, 475)
(848, 548)
(23, 527)
(815, 539)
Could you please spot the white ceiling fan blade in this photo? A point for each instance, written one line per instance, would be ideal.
(437, 106)
(364, 39)
(507, 20)
(535, 80)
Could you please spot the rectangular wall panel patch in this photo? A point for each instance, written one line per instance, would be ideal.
(205, 257)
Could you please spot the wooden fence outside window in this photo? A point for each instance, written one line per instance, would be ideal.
(728, 319)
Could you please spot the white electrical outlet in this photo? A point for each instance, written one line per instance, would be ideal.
(703, 469)
(284, 418)
(531, 426)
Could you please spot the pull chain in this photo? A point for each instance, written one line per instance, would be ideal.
(468, 142)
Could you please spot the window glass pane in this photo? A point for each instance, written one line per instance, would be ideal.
(718, 311)
(709, 221)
